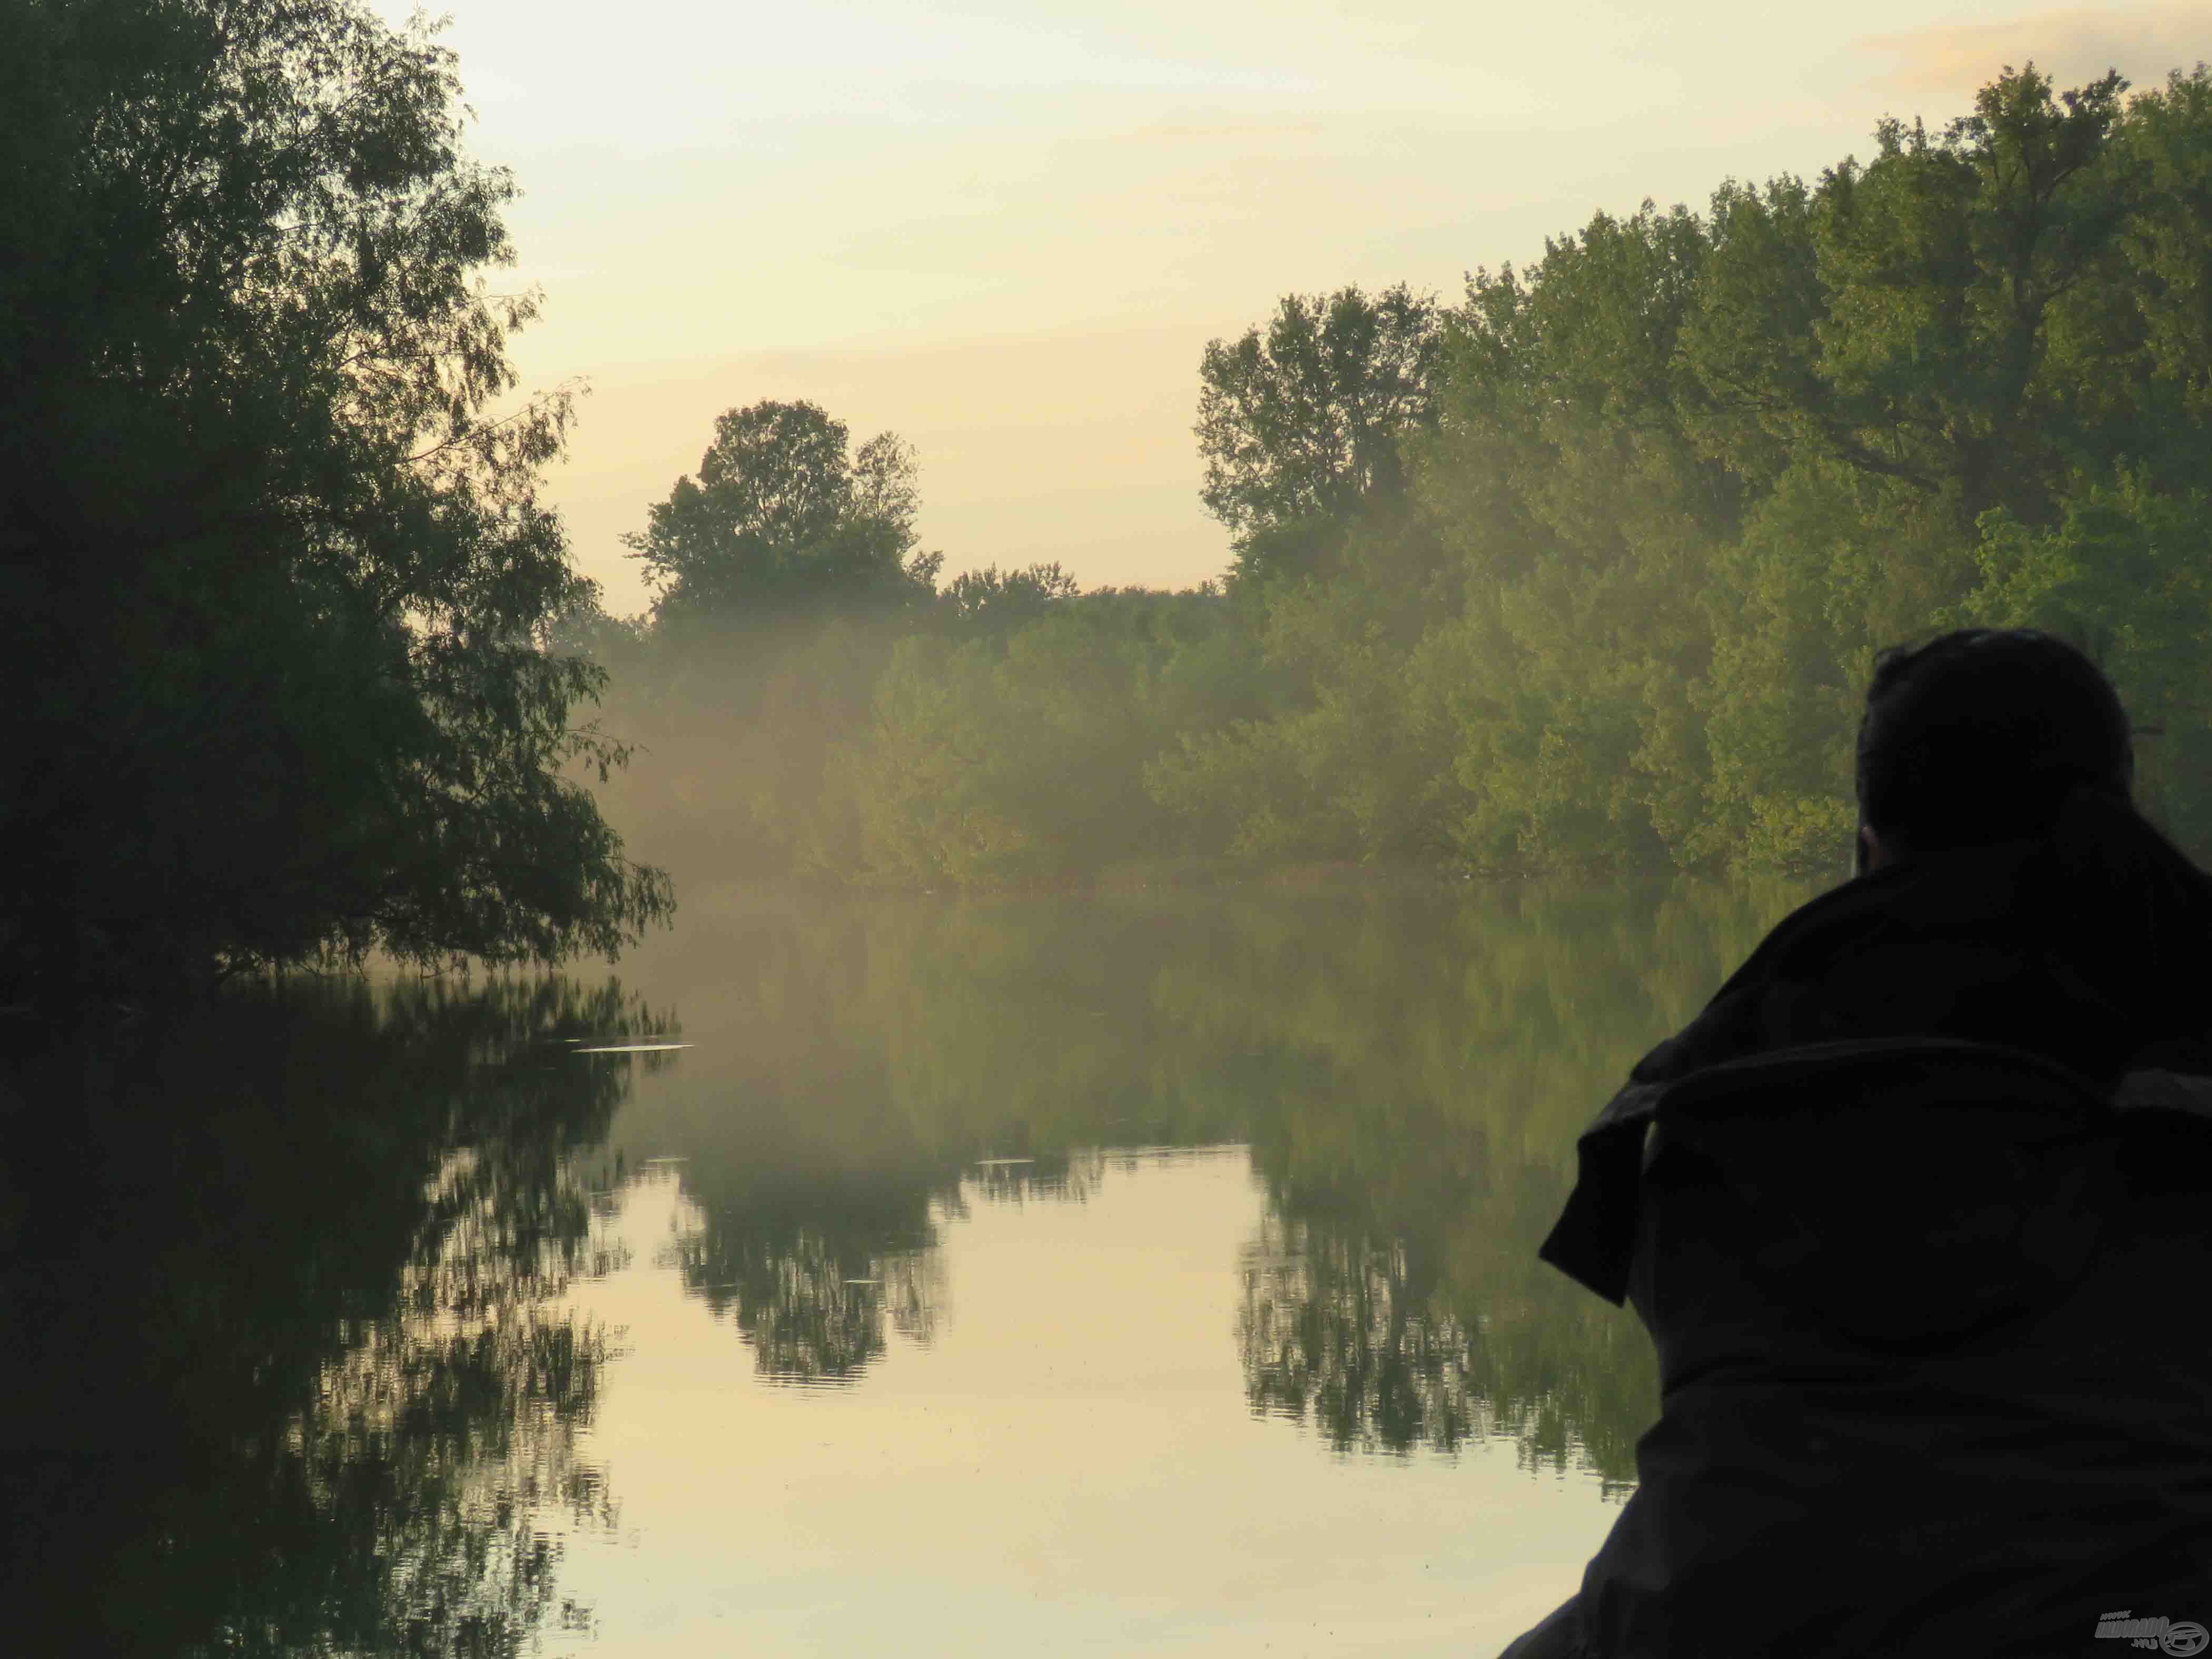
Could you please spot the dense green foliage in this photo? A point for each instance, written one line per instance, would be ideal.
(782, 520)
(272, 575)
(1304, 423)
(1586, 573)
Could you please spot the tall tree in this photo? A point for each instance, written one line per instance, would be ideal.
(273, 574)
(1305, 421)
(1901, 320)
(785, 519)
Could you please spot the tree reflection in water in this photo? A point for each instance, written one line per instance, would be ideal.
(814, 1272)
(1339, 1328)
(1432, 1068)
(1410, 1067)
(809, 1278)
(290, 1373)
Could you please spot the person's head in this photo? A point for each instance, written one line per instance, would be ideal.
(1981, 736)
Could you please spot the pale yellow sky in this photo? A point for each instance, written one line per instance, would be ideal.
(1007, 231)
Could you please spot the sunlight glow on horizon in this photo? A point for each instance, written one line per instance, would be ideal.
(1007, 233)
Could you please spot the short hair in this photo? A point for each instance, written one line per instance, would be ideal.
(1981, 734)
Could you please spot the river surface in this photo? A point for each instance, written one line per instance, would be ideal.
(1151, 1273)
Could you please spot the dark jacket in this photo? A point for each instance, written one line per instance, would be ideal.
(1919, 1212)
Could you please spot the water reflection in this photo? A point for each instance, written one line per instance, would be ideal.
(287, 1372)
(810, 1277)
(1432, 1064)
(1345, 1331)
(1409, 1069)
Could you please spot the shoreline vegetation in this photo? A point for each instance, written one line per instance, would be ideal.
(274, 572)
(1583, 576)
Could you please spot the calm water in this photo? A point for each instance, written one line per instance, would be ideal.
(1112, 1275)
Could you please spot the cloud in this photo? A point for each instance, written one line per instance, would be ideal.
(1954, 60)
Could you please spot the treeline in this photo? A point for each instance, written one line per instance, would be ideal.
(1585, 573)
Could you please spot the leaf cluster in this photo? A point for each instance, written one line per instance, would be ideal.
(785, 520)
(273, 568)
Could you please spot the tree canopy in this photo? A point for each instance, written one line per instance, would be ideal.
(1587, 571)
(1305, 421)
(785, 519)
(274, 564)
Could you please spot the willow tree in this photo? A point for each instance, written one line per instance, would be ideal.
(274, 572)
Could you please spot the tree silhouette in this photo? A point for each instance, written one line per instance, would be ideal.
(784, 519)
(274, 576)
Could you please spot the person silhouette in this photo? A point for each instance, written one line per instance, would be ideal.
(1915, 1213)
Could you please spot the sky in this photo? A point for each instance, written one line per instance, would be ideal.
(1006, 230)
